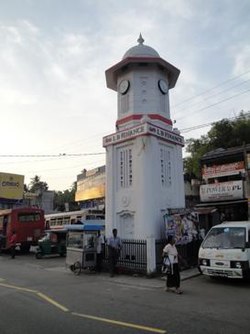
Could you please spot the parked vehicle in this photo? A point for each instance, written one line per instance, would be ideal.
(225, 251)
(52, 243)
(60, 219)
(28, 223)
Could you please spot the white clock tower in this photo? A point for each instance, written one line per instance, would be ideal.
(144, 168)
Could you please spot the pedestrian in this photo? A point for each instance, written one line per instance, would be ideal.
(173, 275)
(12, 242)
(99, 251)
(1, 241)
(114, 249)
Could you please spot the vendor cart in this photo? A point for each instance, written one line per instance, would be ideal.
(81, 247)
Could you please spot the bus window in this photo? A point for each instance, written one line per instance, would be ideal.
(29, 217)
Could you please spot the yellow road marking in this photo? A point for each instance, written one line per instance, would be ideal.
(41, 295)
(120, 323)
(17, 287)
(63, 308)
(53, 302)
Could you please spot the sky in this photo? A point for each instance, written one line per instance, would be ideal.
(55, 107)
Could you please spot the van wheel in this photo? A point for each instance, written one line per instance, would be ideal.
(77, 268)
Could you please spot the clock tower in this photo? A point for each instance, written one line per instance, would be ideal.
(144, 168)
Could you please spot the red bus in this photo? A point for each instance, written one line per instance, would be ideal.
(28, 223)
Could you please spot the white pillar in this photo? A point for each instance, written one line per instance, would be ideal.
(151, 258)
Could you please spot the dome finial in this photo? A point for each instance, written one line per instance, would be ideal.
(140, 40)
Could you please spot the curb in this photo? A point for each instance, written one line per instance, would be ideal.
(190, 276)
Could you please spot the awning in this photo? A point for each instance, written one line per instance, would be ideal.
(205, 211)
(221, 203)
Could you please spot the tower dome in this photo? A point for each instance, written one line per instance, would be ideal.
(141, 50)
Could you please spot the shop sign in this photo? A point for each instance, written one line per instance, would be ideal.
(11, 186)
(221, 191)
(143, 129)
(223, 170)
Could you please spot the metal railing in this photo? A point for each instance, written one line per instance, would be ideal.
(133, 257)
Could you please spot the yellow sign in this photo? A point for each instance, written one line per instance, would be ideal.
(90, 188)
(11, 186)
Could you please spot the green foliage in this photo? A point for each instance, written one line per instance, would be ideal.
(36, 185)
(66, 196)
(223, 134)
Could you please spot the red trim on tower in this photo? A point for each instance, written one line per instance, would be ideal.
(137, 117)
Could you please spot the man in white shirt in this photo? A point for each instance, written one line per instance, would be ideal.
(114, 248)
(99, 251)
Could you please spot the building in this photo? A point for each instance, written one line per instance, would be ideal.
(144, 167)
(40, 199)
(226, 182)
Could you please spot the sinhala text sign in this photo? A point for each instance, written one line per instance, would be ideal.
(11, 186)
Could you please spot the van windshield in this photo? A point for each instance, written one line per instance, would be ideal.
(225, 237)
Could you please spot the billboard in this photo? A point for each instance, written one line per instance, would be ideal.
(91, 187)
(11, 186)
(233, 168)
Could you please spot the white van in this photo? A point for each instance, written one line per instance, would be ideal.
(225, 251)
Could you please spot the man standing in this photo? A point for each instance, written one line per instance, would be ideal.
(12, 240)
(114, 248)
(99, 251)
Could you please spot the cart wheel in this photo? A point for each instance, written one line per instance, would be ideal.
(77, 268)
(39, 255)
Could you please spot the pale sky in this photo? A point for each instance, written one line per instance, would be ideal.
(53, 57)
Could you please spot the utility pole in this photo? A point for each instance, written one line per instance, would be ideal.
(247, 178)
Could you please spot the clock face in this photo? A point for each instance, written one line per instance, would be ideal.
(124, 86)
(163, 86)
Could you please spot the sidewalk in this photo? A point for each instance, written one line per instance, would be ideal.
(144, 282)
(189, 273)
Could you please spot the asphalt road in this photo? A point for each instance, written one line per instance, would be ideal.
(38, 296)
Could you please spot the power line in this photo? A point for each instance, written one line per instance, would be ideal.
(61, 155)
(211, 96)
(196, 127)
(206, 91)
(221, 101)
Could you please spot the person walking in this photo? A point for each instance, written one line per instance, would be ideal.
(114, 249)
(173, 275)
(1, 241)
(12, 241)
(99, 251)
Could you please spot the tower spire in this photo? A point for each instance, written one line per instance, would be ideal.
(140, 40)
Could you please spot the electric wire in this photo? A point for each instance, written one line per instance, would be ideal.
(215, 104)
(206, 91)
(211, 96)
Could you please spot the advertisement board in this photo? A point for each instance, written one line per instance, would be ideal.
(11, 186)
(90, 188)
(223, 170)
(221, 191)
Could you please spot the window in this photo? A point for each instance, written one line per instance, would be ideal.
(125, 168)
(124, 100)
(226, 237)
(29, 217)
(165, 165)
(75, 239)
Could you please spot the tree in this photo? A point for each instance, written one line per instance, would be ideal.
(36, 185)
(66, 196)
(223, 134)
